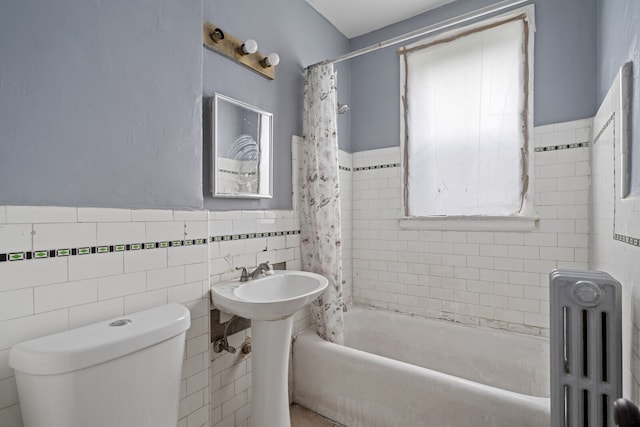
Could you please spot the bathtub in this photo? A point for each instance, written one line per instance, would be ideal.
(401, 371)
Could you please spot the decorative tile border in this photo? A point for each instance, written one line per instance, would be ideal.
(386, 166)
(561, 147)
(344, 168)
(88, 250)
(633, 241)
(126, 247)
(228, 237)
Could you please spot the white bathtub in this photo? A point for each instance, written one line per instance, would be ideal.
(400, 371)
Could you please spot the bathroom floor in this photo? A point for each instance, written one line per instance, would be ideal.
(302, 417)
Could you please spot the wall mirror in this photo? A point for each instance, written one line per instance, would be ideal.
(242, 149)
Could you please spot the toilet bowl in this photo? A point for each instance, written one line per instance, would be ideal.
(123, 372)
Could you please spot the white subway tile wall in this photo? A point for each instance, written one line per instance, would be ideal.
(611, 214)
(496, 279)
(63, 290)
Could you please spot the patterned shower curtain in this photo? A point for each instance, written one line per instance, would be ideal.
(320, 198)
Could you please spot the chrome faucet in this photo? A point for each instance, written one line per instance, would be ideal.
(262, 269)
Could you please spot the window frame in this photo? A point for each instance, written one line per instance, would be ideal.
(526, 219)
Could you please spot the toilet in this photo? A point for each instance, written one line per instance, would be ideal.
(123, 372)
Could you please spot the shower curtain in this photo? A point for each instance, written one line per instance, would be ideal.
(320, 198)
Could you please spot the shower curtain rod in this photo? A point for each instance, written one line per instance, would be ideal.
(426, 30)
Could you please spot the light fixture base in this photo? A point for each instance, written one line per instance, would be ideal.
(231, 47)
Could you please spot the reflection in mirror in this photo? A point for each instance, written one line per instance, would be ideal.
(242, 149)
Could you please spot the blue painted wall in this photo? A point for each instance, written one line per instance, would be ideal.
(619, 42)
(100, 103)
(565, 69)
(301, 37)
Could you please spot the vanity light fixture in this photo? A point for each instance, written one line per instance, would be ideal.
(244, 52)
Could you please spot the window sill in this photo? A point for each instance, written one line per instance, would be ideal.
(470, 223)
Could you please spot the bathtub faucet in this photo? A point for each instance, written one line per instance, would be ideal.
(262, 269)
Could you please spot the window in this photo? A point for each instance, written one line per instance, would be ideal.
(467, 120)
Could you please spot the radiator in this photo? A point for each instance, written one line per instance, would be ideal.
(586, 348)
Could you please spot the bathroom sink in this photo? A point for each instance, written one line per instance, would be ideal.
(271, 297)
(270, 303)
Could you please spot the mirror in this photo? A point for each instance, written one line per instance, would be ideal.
(242, 150)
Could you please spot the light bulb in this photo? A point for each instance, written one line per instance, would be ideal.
(250, 46)
(271, 60)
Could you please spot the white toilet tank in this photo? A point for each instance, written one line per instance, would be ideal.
(124, 372)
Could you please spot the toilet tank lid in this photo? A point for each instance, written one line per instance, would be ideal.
(99, 342)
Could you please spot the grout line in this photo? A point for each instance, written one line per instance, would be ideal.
(605, 126)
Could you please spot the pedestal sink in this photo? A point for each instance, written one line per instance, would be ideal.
(270, 302)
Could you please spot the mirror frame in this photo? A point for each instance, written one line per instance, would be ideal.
(215, 191)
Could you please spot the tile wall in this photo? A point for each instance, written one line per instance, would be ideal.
(495, 279)
(133, 262)
(136, 259)
(615, 237)
(62, 268)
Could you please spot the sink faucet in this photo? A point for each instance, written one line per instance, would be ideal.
(262, 269)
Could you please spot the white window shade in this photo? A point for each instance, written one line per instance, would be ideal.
(465, 117)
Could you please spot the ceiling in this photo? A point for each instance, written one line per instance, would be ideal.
(357, 17)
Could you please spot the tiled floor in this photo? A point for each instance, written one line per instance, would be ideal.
(302, 417)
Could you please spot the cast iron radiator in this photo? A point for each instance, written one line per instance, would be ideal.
(586, 348)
